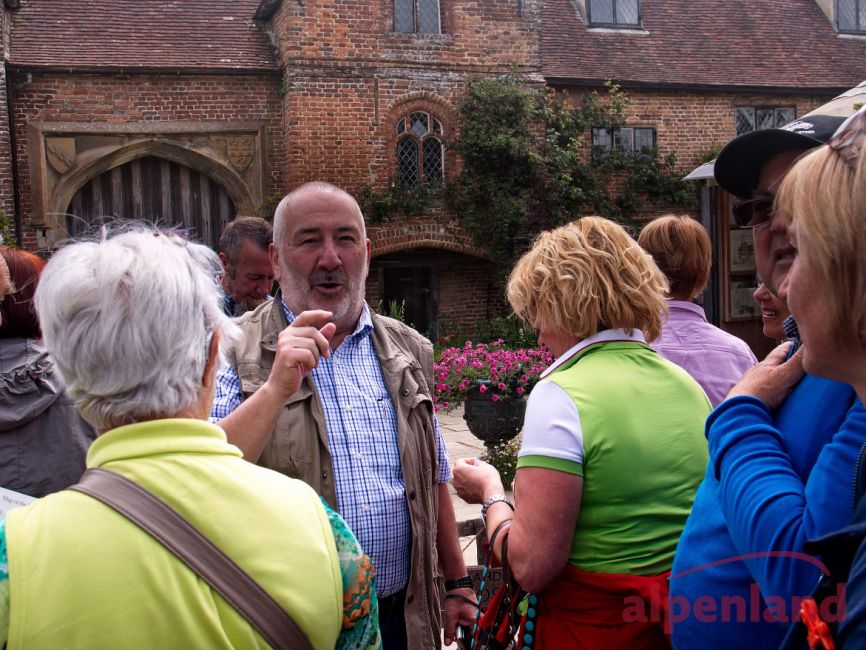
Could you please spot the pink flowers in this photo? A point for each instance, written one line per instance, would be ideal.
(502, 373)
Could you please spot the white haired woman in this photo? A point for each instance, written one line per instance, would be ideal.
(133, 323)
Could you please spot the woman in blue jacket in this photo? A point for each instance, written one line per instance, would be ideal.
(825, 193)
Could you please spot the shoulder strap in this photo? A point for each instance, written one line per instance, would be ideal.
(196, 551)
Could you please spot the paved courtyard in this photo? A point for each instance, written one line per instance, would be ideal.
(460, 444)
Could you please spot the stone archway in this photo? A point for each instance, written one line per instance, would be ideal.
(70, 157)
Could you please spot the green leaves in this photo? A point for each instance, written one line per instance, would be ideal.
(529, 165)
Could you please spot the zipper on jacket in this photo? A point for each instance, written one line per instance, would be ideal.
(858, 471)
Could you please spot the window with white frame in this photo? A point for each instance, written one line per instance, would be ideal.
(851, 15)
(756, 118)
(417, 16)
(420, 152)
(626, 138)
(614, 13)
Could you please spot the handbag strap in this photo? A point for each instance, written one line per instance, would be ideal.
(195, 550)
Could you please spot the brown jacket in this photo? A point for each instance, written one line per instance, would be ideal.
(299, 446)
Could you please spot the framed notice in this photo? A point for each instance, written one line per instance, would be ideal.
(742, 251)
(741, 305)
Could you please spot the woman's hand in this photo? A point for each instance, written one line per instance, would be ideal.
(772, 380)
(475, 480)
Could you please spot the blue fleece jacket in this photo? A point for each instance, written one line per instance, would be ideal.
(774, 480)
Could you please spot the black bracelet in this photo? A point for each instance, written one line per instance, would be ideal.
(492, 540)
(466, 599)
(463, 582)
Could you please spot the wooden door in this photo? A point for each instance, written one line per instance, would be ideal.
(158, 191)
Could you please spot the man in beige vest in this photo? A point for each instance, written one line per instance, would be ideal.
(323, 389)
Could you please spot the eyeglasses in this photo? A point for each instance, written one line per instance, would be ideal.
(848, 139)
(754, 213)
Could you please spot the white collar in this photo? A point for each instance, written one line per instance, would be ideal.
(604, 336)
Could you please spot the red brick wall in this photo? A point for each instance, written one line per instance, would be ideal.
(7, 206)
(690, 124)
(114, 98)
(350, 77)
(478, 35)
(468, 295)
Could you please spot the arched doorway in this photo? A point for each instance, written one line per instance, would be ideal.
(156, 190)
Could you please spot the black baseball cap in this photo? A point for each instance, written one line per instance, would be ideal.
(739, 164)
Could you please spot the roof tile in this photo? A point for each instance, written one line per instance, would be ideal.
(186, 34)
(778, 44)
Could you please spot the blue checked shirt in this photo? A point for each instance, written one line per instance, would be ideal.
(362, 439)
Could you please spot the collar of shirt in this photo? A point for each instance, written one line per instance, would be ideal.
(604, 336)
(789, 326)
(363, 327)
(685, 310)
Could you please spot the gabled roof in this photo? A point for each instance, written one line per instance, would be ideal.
(779, 45)
(143, 34)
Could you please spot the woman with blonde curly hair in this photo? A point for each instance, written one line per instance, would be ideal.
(613, 446)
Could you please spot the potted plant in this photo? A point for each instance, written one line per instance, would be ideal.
(493, 381)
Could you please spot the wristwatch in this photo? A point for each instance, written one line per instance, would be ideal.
(463, 582)
(489, 501)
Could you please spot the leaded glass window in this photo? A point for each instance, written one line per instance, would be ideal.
(420, 152)
(615, 13)
(421, 16)
(407, 162)
(752, 118)
(784, 115)
(745, 119)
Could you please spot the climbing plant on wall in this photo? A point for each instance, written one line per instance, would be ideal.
(529, 164)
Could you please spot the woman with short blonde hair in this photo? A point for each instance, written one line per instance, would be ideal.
(613, 447)
(619, 285)
(682, 250)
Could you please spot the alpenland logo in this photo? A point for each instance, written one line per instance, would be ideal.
(734, 608)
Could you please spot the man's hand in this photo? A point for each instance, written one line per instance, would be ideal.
(299, 348)
(772, 379)
(458, 612)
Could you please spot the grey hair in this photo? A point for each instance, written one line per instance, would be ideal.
(312, 186)
(254, 229)
(128, 320)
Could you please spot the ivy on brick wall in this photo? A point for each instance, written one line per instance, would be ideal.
(528, 164)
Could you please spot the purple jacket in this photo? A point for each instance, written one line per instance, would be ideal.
(713, 357)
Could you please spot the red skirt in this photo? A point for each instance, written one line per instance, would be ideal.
(600, 611)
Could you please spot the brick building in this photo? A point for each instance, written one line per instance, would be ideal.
(191, 112)
(699, 73)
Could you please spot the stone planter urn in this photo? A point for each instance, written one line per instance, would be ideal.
(493, 422)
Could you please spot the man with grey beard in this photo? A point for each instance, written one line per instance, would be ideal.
(323, 389)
